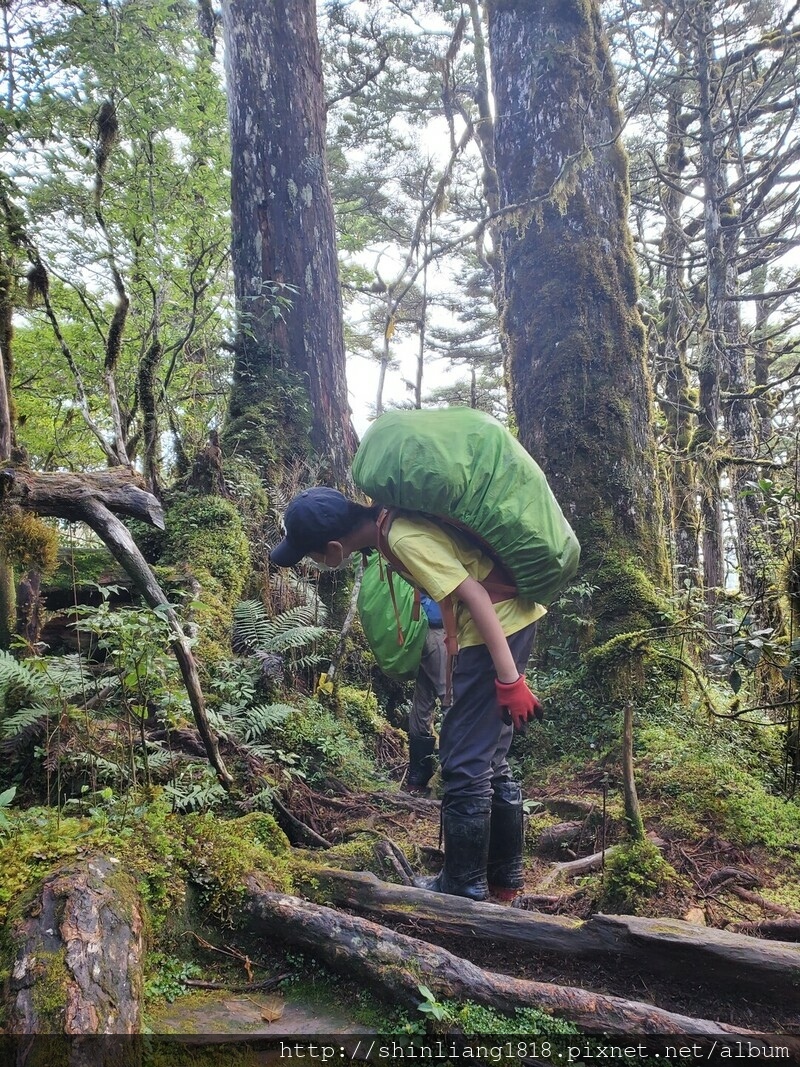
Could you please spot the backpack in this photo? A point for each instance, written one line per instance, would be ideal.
(461, 467)
(394, 627)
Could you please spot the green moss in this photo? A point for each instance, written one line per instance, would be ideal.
(328, 744)
(51, 982)
(220, 854)
(269, 421)
(632, 877)
(27, 542)
(206, 534)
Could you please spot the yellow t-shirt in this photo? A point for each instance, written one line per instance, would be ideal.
(439, 560)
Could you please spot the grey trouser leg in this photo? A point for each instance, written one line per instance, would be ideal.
(474, 741)
(430, 684)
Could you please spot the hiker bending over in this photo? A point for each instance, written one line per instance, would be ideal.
(482, 804)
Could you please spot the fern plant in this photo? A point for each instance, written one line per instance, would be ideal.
(291, 635)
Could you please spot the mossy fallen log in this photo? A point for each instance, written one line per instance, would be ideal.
(398, 964)
(77, 953)
(667, 946)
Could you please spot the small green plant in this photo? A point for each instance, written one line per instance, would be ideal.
(5, 801)
(431, 1007)
(168, 977)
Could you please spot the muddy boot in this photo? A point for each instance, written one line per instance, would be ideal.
(504, 866)
(465, 828)
(420, 763)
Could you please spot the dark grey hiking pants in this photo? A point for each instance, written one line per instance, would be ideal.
(474, 741)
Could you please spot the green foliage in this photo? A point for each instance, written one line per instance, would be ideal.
(472, 1019)
(144, 109)
(6, 798)
(168, 977)
(287, 634)
(328, 745)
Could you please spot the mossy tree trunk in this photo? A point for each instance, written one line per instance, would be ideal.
(8, 599)
(579, 386)
(289, 389)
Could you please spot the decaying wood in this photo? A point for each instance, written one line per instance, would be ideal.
(295, 829)
(96, 499)
(668, 946)
(572, 868)
(80, 940)
(730, 876)
(398, 964)
(777, 929)
(64, 496)
(559, 836)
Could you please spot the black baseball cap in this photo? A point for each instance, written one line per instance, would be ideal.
(315, 517)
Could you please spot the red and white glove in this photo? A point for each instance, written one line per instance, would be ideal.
(518, 705)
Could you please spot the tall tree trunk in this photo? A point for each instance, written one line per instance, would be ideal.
(8, 598)
(679, 405)
(580, 391)
(712, 348)
(289, 340)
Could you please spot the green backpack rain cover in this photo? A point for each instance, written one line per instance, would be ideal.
(463, 465)
(378, 621)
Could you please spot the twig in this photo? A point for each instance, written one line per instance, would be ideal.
(251, 987)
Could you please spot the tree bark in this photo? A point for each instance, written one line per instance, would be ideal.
(78, 954)
(397, 964)
(666, 946)
(576, 342)
(91, 498)
(285, 267)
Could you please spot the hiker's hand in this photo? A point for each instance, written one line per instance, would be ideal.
(517, 703)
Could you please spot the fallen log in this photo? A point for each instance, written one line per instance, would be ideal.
(560, 836)
(77, 955)
(398, 964)
(668, 946)
(776, 929)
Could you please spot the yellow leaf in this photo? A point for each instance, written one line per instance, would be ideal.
(390, 325)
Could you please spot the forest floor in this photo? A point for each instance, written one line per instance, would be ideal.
(710, 871)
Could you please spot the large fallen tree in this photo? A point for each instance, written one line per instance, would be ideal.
(398, 964)
(667, 946)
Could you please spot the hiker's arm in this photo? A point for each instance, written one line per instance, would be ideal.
(480, 607)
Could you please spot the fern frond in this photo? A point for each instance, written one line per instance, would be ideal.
(18, 679)
(249, 625)
(299, 637)
(23, 719)
(254, 723)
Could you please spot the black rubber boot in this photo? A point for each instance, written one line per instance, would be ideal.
(420, 761)
(504, 866)
(465, 828)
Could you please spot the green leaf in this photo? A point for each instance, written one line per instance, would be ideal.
(735, 681)
(7, 796)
